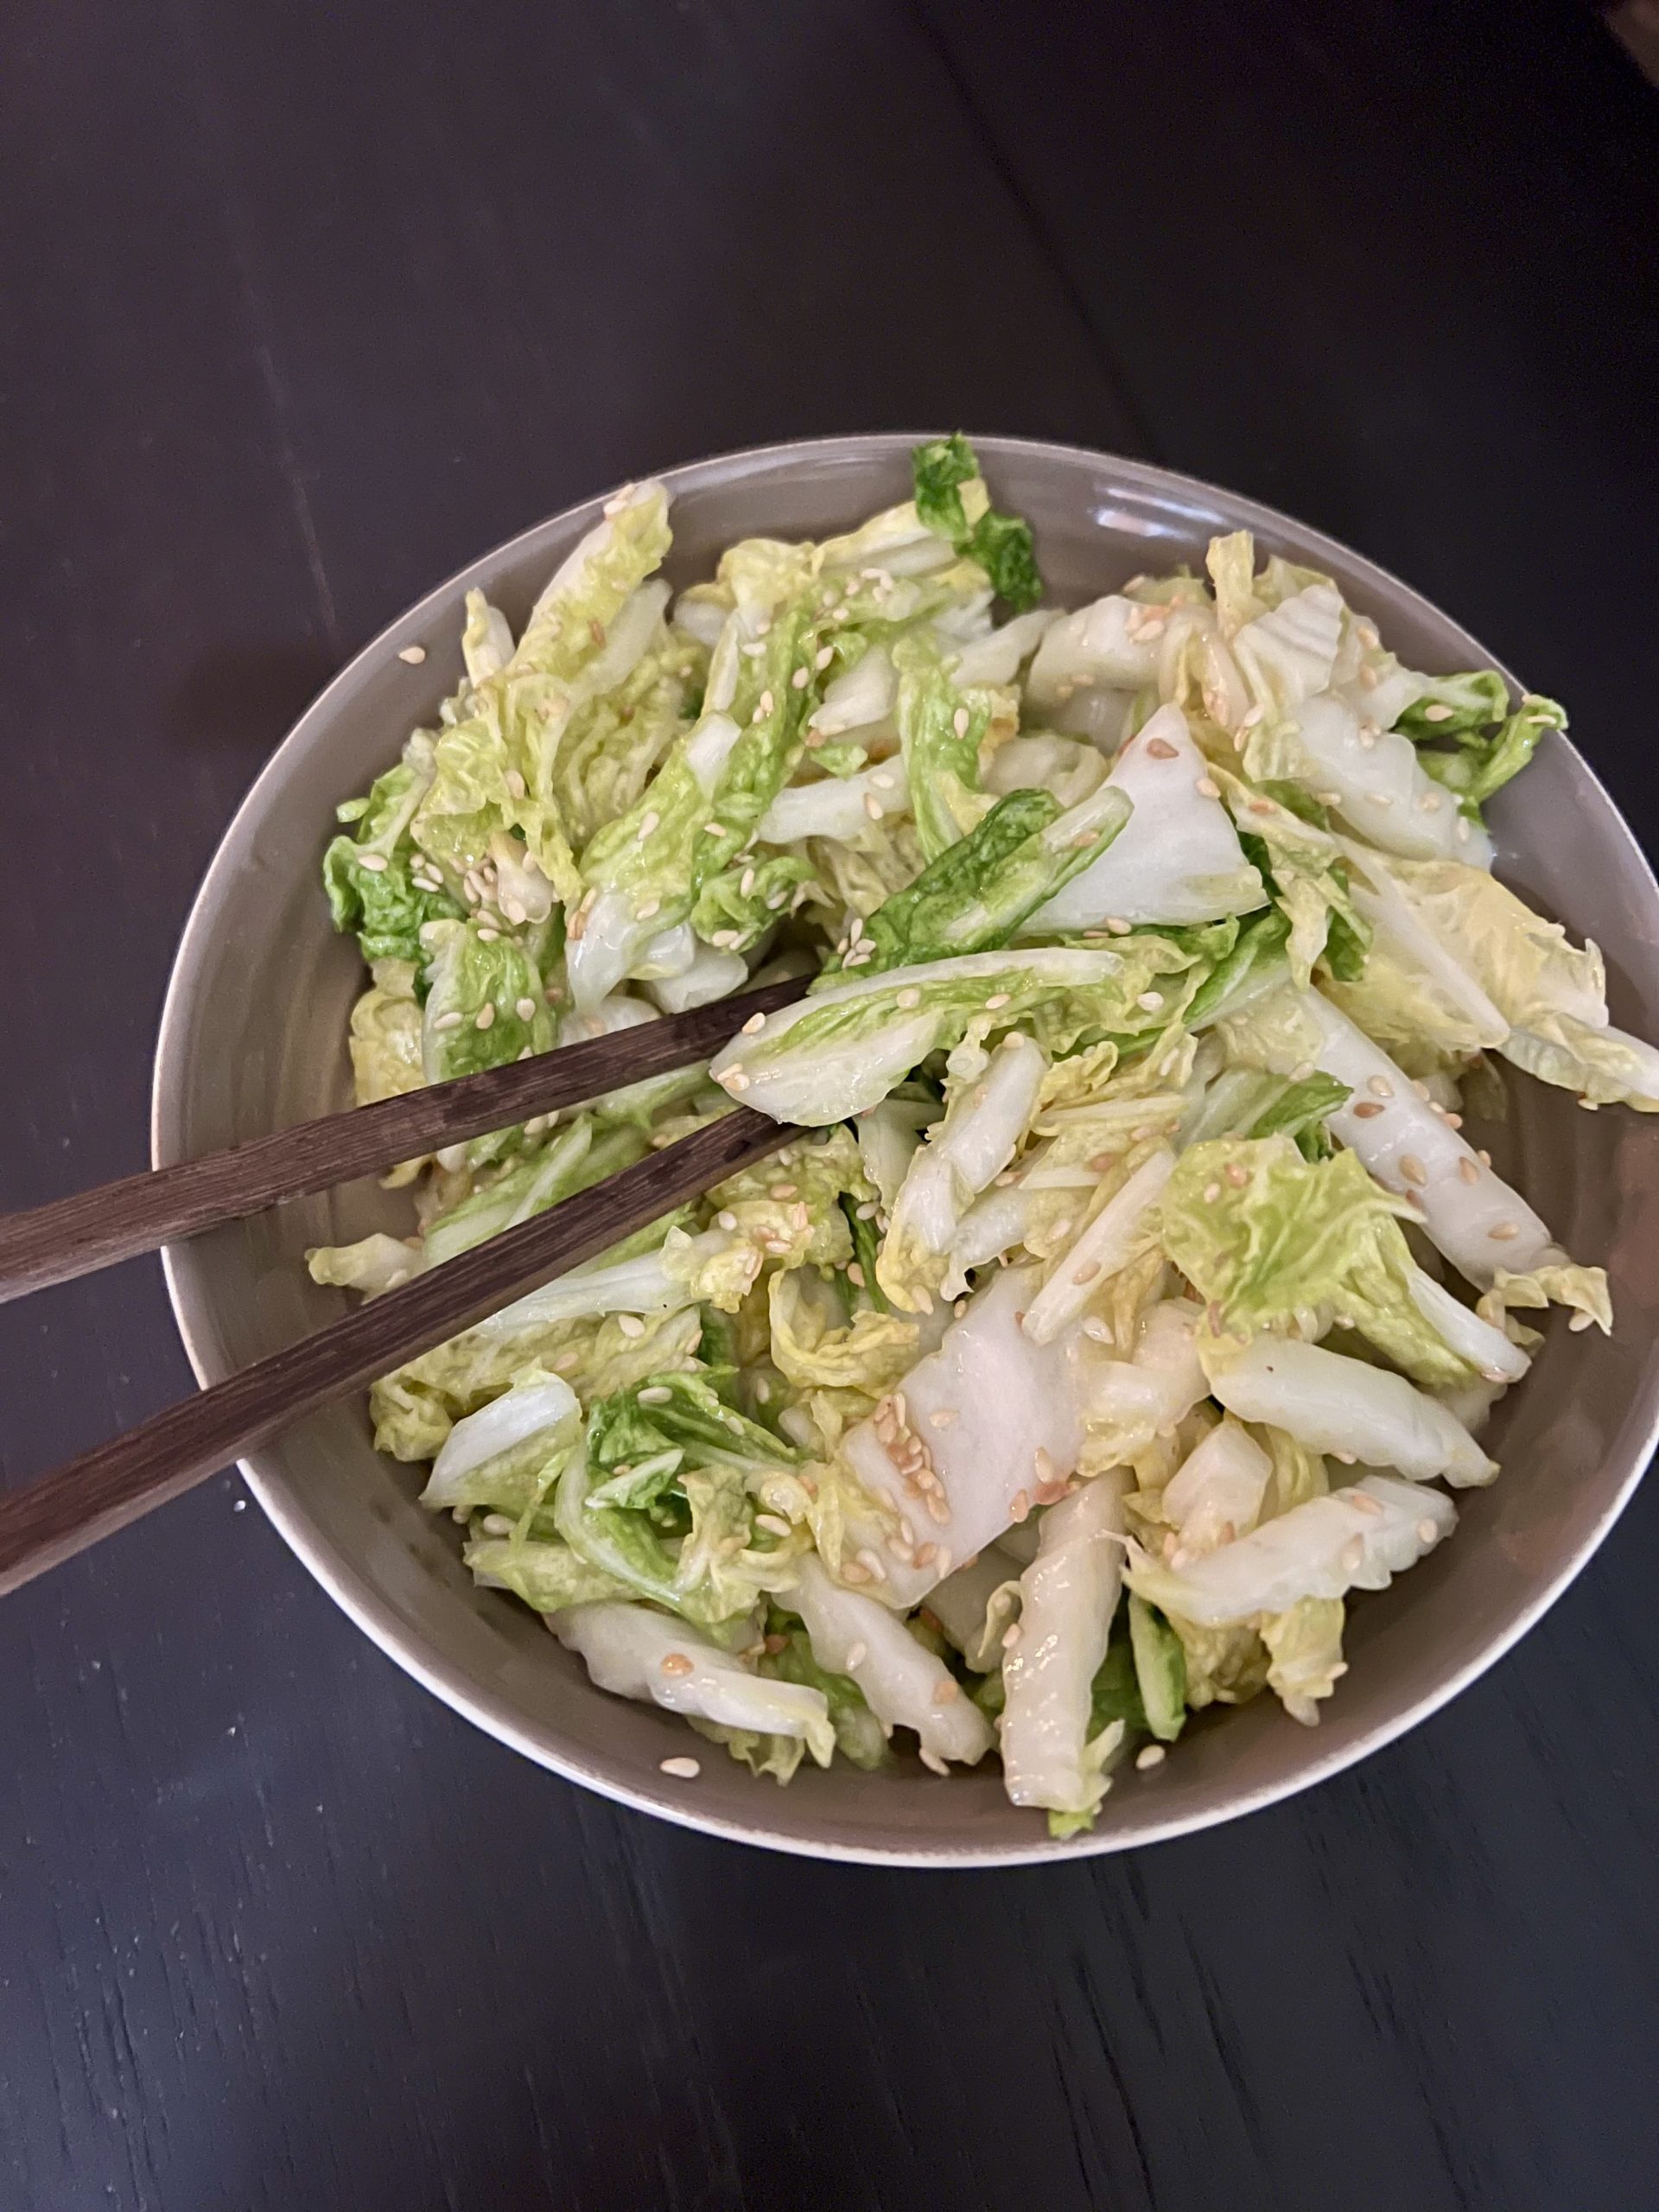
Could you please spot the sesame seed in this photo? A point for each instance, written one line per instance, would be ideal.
(872, 806)
(676, 1663)
(413, 654)
(1011, 1635)
(682, 1770)
(1420, 1088)
(1367, 1107)
(943, 1418)
(1086, 1272)
(1207, 787)
(631, 1325)
(1212, 1192)
(648, 822)
(1346, 1457)
(713, 829)
(1469, 1172)
(648, 907)
(1505, 1232)
(754, 1022)
(656, 1397)
(765, 705)
(946, 1690)
(1262, 806)
(1153, 1755)
(1426, 1532)
(1429, 803)
(1237, 1175)
(1581, 1321)
(484, 1017)
(1353, 1555)
(856, 1655)
(1149, 1002)
(489, 937)
(1463, 830)
(1379, 1086)
(1160, 748)
(959, 721)
(1379, 798)
(727, 940)
(375, 862)
(1019, 1505)
(997, 1001)
(1097, 1328)
(774, 1524)
(852, 1572)
(822, 658)
(798, 681)
(1369, 677)
(1117, 926)
(1437, 713)
(909, 997)
(745, 882)
(525, 1009)
(451, 1021)
(869, 1561)
(1363, 1501)
(1413, 1169)
(856, 1274)
(1483, 1156)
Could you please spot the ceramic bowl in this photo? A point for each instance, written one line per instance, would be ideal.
(253, 1038)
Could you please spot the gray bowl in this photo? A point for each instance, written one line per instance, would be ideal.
(253, 1038)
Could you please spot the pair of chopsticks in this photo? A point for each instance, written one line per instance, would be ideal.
(100, 1491)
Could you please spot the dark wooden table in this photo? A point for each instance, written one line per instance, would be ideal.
(304, 305)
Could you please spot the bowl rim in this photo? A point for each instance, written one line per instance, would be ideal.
(377, 1620)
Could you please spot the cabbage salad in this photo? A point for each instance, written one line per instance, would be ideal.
(1132, 1293)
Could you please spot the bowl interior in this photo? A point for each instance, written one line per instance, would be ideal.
(253, 1039)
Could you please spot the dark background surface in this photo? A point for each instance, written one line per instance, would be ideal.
(302, 307)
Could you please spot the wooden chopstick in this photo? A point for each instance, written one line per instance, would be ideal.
(103, 1489)
(94, 1228)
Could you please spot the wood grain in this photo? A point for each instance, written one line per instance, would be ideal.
(311, 306)
(103, 1489)
(94, 1228)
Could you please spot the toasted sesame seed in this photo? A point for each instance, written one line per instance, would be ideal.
(799, 680)
(909, 997)
(1237, 1175)
(822, 658)
(1019, 1505)
(375, 862)
(1426, 1532)
(484, 1017)
(631, 1325)
(765, 705)
(1363, 1501)
(1463, 830)
(1379, 798)
(450, 1020)
(1149, 1002)
(852, 1572)
(1483, 1156)
(1010, 1635)
(1212, 1192)
(871, 1563)
(774, 1524)
(1152, 1755)
(1367, 1107)
(1371, 678)
(676, 1662)
(1379, 1086)
(1097, 1328)
(1468, 1170)
(1437, 713)
(682, 1770)
(489, 937)
(1504, 1232)
(959, 721)
(1262, 806)
(1353, 1555)
(856, 1274)
(946, 1690)
(1087, 1272)
(1160, 748)
(713, 829)
(1346, 1457)
(413, 654)
(1581, 1321)
(525, 1009)
(1207, 787)
(1413, 1169)
(996, 1001)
